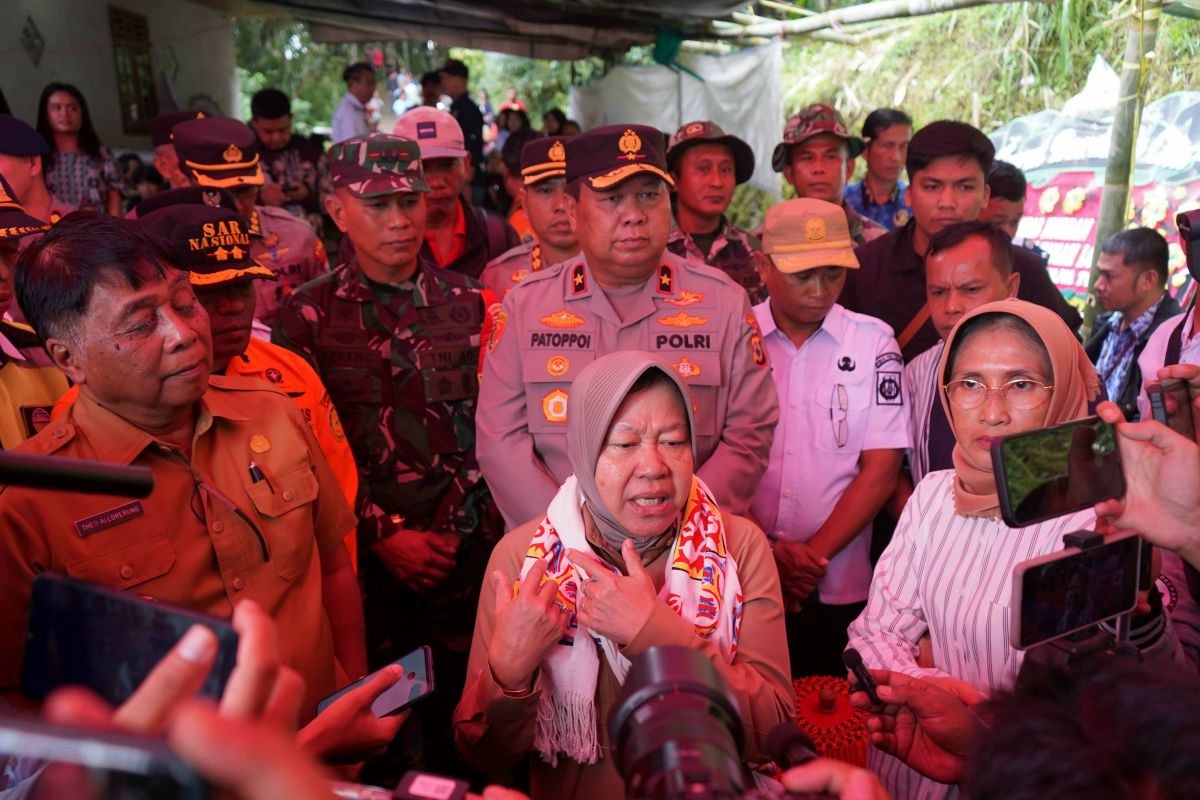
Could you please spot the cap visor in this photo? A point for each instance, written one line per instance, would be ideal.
(19, 224)
(383, 186)
(230, 178)
(530, 180)
(440, 151)
(230, 275)
(813, 259)
(610, 179)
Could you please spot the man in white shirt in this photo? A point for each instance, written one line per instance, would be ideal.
(352, 117)
(967, 265)
(841, 434)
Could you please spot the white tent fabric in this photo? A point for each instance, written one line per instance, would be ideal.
(740, 92)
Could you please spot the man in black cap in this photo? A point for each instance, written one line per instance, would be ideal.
(947, 167)
(470, 119)
(624, 291)
(292, 164)
(707, 164)
(29, 381)
(217, 153)
(166, 160)
(22, 153)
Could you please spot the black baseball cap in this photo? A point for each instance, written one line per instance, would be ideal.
(212, 244)
(17, 138)
(187, 196)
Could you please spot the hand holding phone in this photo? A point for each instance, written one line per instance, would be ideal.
(347, 730)
(1171, 404)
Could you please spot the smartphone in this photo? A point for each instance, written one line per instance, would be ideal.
(65, 762)
(1171, 404)
(1065, 592)
(109, 640)
(414, 685)
(1049, 472)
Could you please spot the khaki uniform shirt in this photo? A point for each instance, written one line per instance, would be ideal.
(494, 730)
(559, 320)
(184, 543)
(27, 390)
(517, 264)
(288, 247)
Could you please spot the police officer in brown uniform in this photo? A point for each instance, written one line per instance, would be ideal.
(625, 291)
(707, 164)
(244, 506)
(550, 209)
(224, 154)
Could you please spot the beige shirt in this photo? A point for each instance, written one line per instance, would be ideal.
(496, 731)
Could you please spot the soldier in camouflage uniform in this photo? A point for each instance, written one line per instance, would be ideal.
(396, 341)
(707, 164)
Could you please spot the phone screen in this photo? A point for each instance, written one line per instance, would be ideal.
(1049, 472)
(1070, 591)
(109, 640)
(43, 760)
(1176, 411)
(414, 684)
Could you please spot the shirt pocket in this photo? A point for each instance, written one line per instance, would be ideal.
(701, 372)
(127, 566)
(287, 519)
(547, 375)
(843, 411)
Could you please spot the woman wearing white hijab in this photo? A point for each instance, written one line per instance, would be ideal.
(633, 553)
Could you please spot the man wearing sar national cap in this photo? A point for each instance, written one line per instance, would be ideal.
(396, 340)
(707, 164)
(624, 291)
(228, 297)
(842, 428)
(244, 506)
(217, 153)
(551, 211)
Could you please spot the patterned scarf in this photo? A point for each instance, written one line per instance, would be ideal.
(701, 586)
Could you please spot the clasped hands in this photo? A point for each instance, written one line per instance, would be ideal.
(532, 621)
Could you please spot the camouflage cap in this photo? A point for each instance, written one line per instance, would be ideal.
(212, 244)
(15, 223)
(807, 123)
(375, 165)
(706, 132)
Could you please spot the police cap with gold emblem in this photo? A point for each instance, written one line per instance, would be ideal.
(376, 165)
(14, 222)
(17, 138)
(212, 244)
(705, 132)
(807, 234)
(187, 196)
(604, 157)
(807, 123)
(542, 159)
(220, 152)
(162, 125)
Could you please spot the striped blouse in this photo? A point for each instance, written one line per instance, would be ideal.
(950, 576)
(920, 389)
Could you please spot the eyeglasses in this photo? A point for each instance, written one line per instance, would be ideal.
(838, 404)
(1021, 393)
(196, 504)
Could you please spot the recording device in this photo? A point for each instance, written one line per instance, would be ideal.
(866, 681)
(109, 640)
(415, 684)
(1171, 404)
(75, 475)
(1063, 593)
(1188, 225)
(676, 733)
(1049, 472)
(85, 765)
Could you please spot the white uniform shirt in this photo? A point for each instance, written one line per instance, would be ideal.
(920, 393)
(1154, 354)
(951, 576)
(839, 394)
(350, 119)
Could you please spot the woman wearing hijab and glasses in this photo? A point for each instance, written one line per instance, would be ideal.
(633, 553)
(1008, 367)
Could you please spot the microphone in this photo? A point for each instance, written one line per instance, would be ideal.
(75, 475)
(789, 746)
(866, 683)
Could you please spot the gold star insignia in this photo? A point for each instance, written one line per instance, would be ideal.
(579, 279)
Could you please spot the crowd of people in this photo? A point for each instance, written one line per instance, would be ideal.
(542, 439)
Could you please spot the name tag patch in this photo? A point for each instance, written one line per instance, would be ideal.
(573, 341)
(683, 341)
(107, 519)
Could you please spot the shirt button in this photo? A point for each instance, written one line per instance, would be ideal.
(787, 492)
(791, 451)
(794, 404)
(288, 496)
(126, 572)
(218, 526)
(59, 433)
(238, 584)
(162, 448)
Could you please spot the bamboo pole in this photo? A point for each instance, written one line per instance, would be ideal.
(1114, 201)
(868, 12)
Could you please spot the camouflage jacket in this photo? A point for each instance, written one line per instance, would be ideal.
(401, 365)
(732, 253)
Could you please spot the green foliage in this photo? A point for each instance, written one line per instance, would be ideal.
(541, 85)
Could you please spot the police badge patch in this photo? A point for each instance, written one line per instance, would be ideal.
(887, 389)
